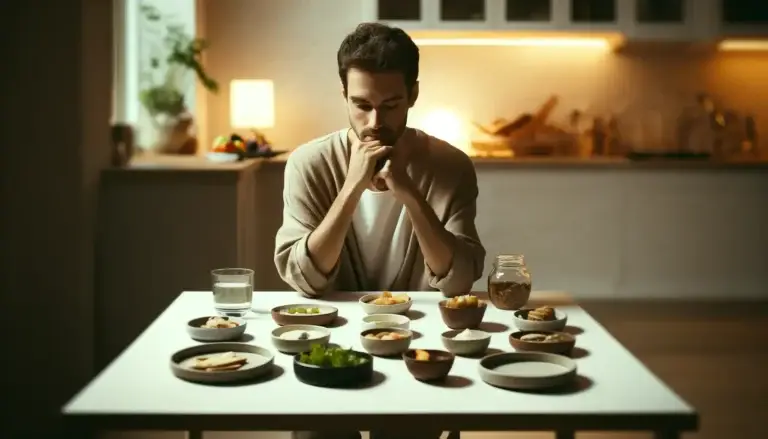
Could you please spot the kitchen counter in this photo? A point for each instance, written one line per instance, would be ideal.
(616, 163)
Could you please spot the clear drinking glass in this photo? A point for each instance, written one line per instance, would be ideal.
(232, 291)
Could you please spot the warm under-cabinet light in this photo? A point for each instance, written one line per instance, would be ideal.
(447, 125)
(598, 43)
(743, 45)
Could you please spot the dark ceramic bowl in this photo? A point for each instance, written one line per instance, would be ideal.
(563, 346)
(351, 376)
(326, 315)
(436, 368)
(463, 318)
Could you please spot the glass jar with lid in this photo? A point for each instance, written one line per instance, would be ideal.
(509, 282)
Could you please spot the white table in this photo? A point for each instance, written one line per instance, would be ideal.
(138, 391)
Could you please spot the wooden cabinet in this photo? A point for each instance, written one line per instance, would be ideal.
(656, 20)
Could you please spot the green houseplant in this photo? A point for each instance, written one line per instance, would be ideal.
(171, 55)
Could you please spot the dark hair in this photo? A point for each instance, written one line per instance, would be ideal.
(375, 48)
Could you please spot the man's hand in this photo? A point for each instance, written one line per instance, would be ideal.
(394, 176)
(362, 163)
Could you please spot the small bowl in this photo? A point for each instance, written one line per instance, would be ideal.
(521, 321)
(318, 335)
(386, 321)
(436, 368)
(325, 317)
(386, 348)
(564, 346)
(474, 346)
(215, 334)
(463, 318)
(370, 308)
(334, 376)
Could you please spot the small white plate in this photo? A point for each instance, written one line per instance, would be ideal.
(260, 362)
(526, 370)
(398, 321)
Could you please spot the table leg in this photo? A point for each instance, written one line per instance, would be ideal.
(194, 434)
(667, 435)
(565, 434)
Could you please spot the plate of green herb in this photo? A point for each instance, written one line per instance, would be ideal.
(333, 366)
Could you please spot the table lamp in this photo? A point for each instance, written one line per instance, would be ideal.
(252, 106)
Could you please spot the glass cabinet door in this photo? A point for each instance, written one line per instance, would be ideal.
(593, 11)
(660, 11)
(528, 10)
(744, 12)
(399, 10)
(462, 10)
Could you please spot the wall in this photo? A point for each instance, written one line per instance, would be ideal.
(53, 145)
(295, 42)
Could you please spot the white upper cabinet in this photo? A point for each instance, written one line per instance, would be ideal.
(746, 18)
(652, 20)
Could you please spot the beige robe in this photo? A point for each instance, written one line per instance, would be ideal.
(314, 175)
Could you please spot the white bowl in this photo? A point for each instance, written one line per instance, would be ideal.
(531, 325)
(215, 334)
(386, 348)
(397, 321)
(318, 335)
(473, 346)
(370, 308)
(222, 157)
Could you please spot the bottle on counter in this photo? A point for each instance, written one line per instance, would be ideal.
(599, 137)
(749, 145)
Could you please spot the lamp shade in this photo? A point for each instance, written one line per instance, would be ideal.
(252, 103)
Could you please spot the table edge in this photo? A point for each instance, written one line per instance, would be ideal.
(680, 422)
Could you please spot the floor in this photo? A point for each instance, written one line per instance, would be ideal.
(713, 354)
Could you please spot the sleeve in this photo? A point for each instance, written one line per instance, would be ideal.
(301, 215)
(468, 254)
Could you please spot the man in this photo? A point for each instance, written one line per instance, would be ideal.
(379, 206)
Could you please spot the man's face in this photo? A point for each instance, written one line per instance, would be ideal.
(378, 105)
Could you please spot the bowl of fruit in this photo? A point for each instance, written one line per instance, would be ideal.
(227, 149)
(463, 312)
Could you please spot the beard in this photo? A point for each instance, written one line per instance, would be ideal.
(385, 135)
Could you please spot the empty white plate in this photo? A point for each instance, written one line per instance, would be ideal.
(527, 370)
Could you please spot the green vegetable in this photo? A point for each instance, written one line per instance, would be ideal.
(300, 310)
(322, 356)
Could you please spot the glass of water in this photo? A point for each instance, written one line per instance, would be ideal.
(232, 291)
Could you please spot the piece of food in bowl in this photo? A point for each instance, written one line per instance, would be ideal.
(534, 337)
(331, 356)
(302, 310)
(387, 298)
(420, 355)
(385, 335)
(218, 322)
(541, 314)
(544, 338)
(465, 301)
(468, 334)
(220, 362)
